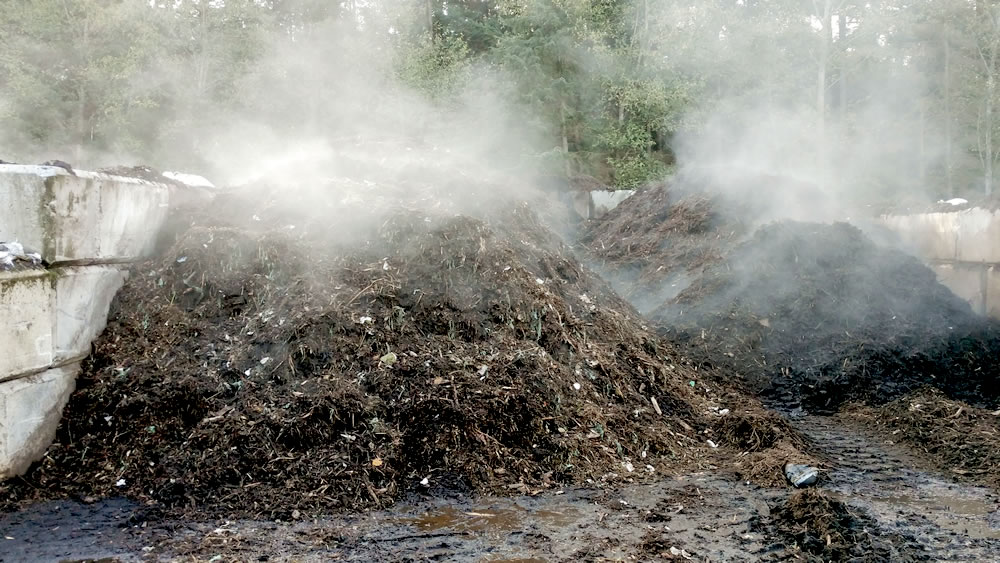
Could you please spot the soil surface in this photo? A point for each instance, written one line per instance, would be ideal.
(945, 520)
(872, 504)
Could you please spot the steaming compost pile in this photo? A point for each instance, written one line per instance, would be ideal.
(656, 241)
(811, 312)
(819, 312)
(266, 367)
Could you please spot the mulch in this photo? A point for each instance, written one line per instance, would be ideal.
(276, 360)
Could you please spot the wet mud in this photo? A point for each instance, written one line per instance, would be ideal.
(902, 513)
(707, 516)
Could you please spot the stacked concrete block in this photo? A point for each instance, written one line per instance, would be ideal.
(88, 227)
(962, 246)
(932, 236)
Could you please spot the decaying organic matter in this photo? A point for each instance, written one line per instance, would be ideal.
(261, 370)
(819, 313)
(957, 438)
(826, 529)
(656, 241)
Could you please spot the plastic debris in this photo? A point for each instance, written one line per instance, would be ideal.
(13, 255)
(801, 475)
(675, 552)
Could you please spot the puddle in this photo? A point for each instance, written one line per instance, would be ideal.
(973, 517)
(492, 519)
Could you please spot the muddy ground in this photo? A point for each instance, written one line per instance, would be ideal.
(873, 504)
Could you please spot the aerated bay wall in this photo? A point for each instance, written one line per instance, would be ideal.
(962, 246)
(88, 227)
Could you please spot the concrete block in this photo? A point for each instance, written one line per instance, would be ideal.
(22, 197)
(86, 216)
(931, 236)
(131, 218)
(30, 410)
(27, 302)
(993, 291)
(966, 281)
(978, 235)
(82, 298)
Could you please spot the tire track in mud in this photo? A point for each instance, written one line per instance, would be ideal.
(943, 519)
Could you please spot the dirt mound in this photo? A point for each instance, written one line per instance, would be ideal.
(958, 438)
(656, 241)
(765, 442)
(828, 530)
(256, 370)
(821, 313)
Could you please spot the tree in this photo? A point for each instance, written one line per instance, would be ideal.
(71, 76)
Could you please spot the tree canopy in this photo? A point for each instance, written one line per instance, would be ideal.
(893, 95)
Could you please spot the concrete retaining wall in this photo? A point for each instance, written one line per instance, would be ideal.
(962, 246)
(88, 226)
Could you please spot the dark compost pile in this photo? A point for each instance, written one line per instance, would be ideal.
(958, 438)
(271, 364)
(819, 312)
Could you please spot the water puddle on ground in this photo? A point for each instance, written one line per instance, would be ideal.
(505, 519)
(974, 517)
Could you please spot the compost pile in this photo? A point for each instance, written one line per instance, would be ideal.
(656, 241)
(958, 438)
(820, 313)
(275, 363)
(826, 529)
